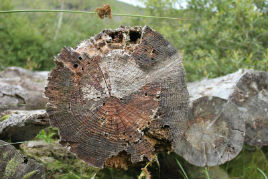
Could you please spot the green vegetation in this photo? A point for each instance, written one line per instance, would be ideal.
(47, 134)
(5, 155)
(221, 37)
(30, 40)
(4, 117)
(251, 163)
(184, 174)
(30, 174)
(11, 167)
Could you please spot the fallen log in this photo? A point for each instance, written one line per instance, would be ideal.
(22, 89)
(13, 165)
(215, 132)
(20, 125)
(222, 111)
(247, 90)
(119, 97)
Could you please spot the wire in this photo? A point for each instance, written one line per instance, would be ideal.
(87, 12)
(11, 143)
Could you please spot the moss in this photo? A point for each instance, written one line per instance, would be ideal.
(59, 162)
(28, 175)
(5, 155)
(11, 167)
(4, 117)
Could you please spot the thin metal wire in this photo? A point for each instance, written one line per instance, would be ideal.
(87, 12)
(11, 143)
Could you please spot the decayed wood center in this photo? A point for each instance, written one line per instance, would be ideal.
(119, 97)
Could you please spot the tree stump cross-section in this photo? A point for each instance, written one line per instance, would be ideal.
(119, 97)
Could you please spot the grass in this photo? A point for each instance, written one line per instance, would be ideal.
(206, 172)
(47, 134)
(185, 176)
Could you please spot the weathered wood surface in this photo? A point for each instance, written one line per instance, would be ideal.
(14, 165)
(21, 125)
(22, 89)
(247, 90)
(119, 97)
(215, 132)
(222, 111)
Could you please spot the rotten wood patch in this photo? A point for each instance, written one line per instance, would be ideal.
(119, 97)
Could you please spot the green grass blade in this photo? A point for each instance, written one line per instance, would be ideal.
(182, 169)
(206, 173)
(262, 172)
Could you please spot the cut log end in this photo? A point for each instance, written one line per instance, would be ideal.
(212, 137)
(116, 94)
(251, 97)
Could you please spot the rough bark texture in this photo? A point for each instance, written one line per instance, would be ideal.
(22, 125)
(119, 97)
(247, 90)
(13, 165)
(22, 89)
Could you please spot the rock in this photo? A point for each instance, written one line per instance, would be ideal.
(13, 165)
(20, 125)
(22, 89)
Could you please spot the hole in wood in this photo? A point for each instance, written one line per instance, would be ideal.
(145, 94)
(134, 36)
(80, 58)
(25, 160)
(165, 126)
(117, 37)
(75, 65)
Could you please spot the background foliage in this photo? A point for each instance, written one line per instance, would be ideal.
(221, 37)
